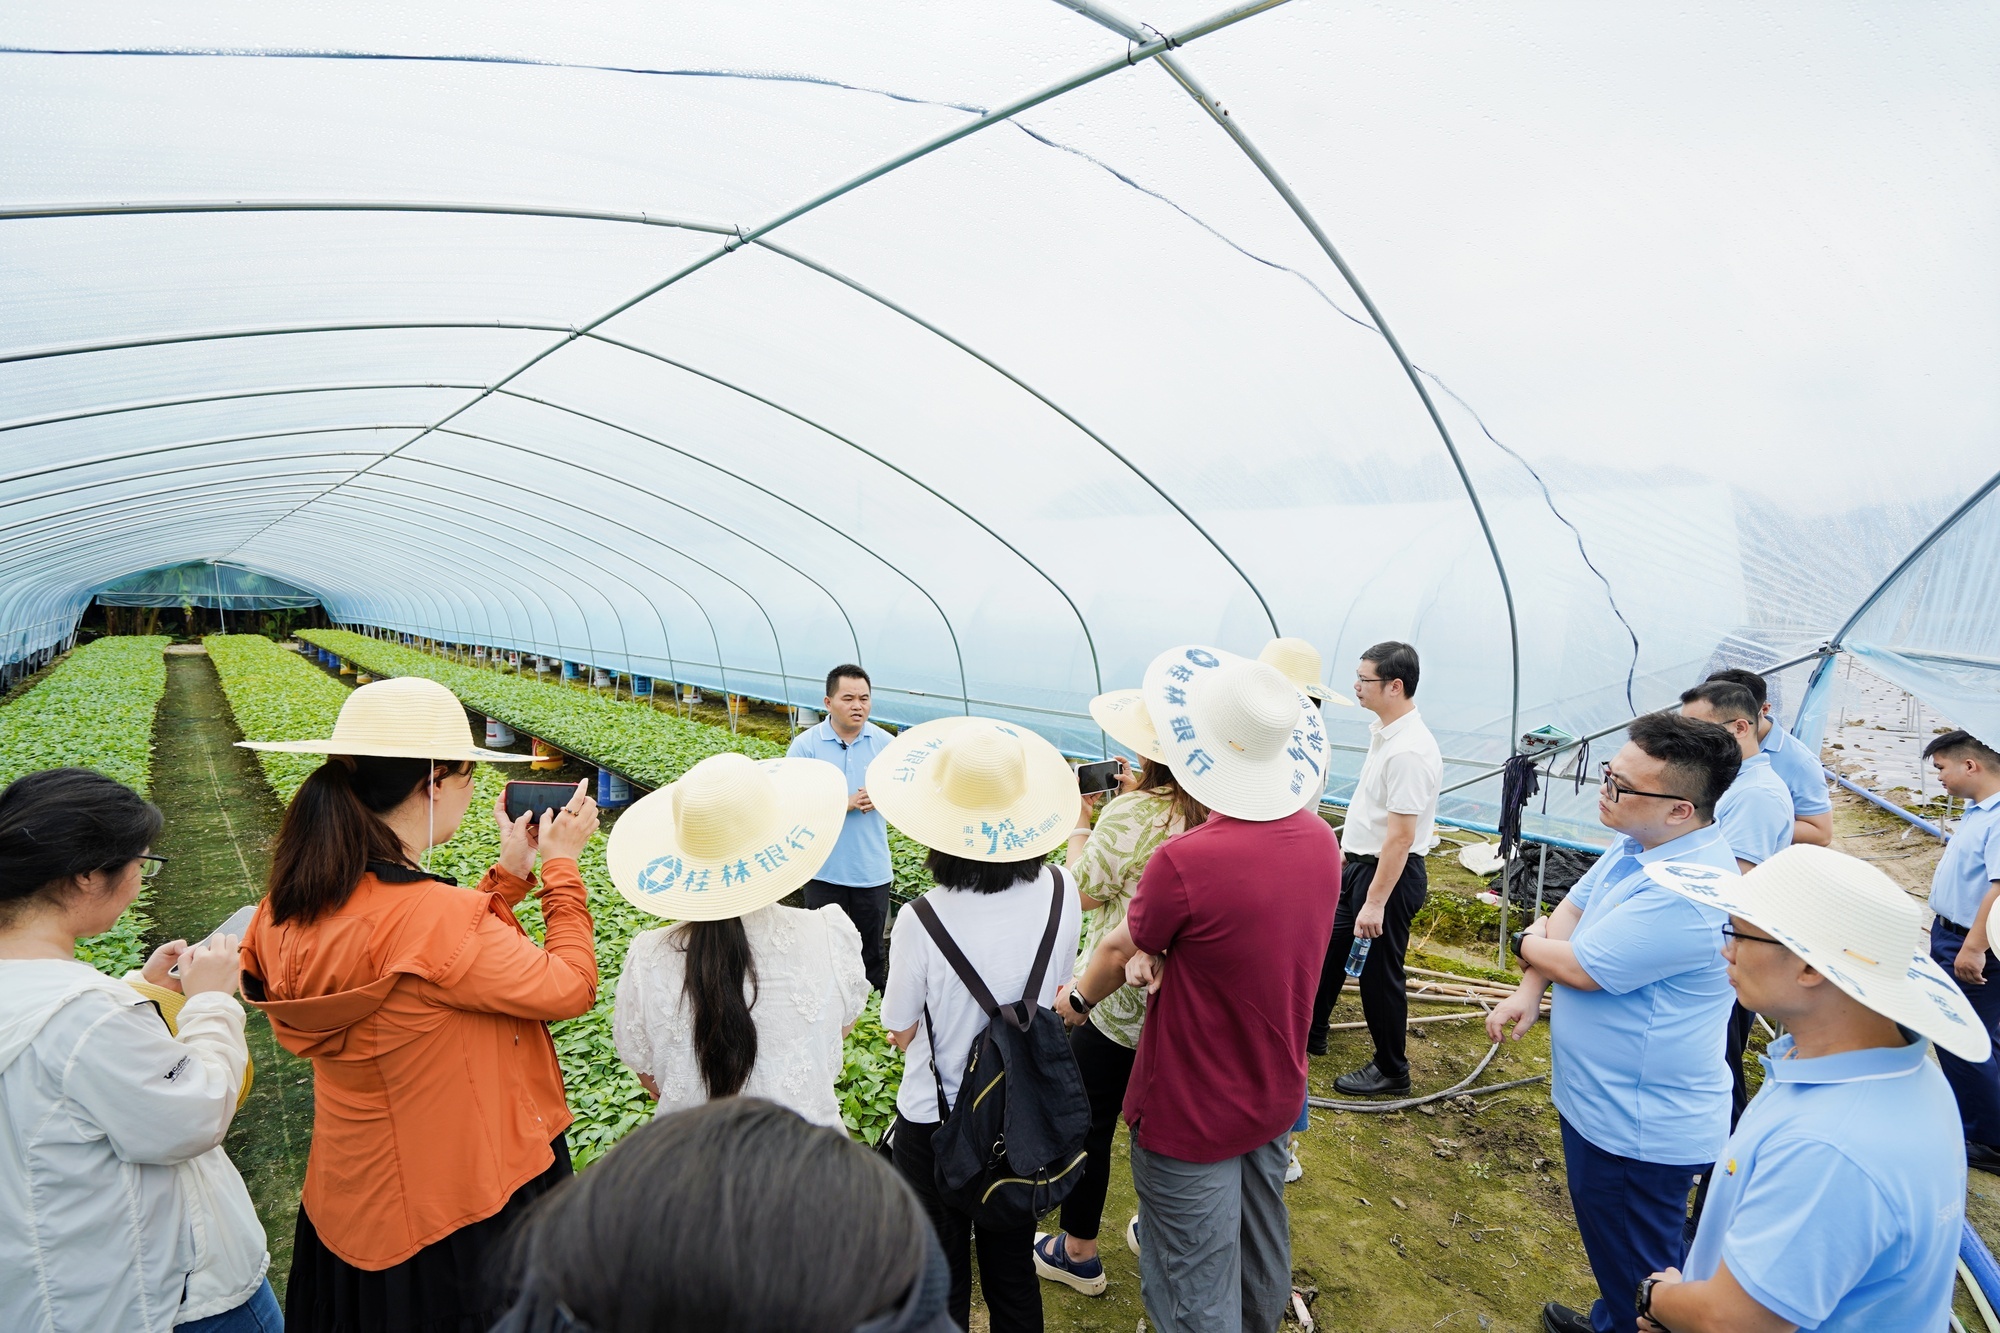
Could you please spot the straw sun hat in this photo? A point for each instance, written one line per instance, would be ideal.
(1242, 739)
(1853, 925)
(1122, 715)
(405, 718)
(732, 835)
(976, 788)
(1301, 665)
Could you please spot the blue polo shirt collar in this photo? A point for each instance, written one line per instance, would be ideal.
(1783, 1065)
(1991, 802)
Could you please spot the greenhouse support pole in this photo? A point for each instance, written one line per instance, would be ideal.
(1936, 831)
(1228, 123)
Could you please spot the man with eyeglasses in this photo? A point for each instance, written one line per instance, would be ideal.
(1641, 1004)
(1756, 818)
(1391, 824)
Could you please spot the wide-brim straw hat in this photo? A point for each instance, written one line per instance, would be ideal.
(1853, 925)
(408, 717)
(732, 835)
(1301, 665)
(976, 788)
(1123, 716)
(1240, 737)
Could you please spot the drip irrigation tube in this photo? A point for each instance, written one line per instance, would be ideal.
(1464, 1085)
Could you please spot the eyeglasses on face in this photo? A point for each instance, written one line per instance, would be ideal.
(1730, 932)
(1613, 788)
(1367, 680)
(150, 865)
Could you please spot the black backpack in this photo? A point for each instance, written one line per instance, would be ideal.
(1013, 1148)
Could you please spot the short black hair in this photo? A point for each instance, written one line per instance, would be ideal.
(1749, 680)
(846, 671)
(1394, 660)
(1727, 698)
(1701, 757)
(956, 872)
(64, 822)
(1964, 740)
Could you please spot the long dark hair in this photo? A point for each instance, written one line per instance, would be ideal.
(1159, 776)
(333, 828)
(61, 823)
(956, 872)
(725, 1036)
(735, 1216)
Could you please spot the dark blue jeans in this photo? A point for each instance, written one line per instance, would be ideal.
(1976, 1086)
(259, 1314)
(1633, 1217)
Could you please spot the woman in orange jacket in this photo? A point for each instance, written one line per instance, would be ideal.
(438, 1104)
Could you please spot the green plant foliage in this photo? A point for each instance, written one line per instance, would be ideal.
(94, 710)
(276, 695)
(636, 739)
(655, 748)
(873, 1074)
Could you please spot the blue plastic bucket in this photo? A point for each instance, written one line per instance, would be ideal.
(612, 790)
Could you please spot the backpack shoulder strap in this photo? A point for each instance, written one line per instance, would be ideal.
(955, 956)
(1031, 997)
(930, 1035)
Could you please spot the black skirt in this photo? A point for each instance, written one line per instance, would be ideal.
(446, 1287)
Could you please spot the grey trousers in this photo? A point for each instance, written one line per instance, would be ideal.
(1215, 1241)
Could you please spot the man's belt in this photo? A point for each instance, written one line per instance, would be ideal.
(1953, 926)
(1359, 859)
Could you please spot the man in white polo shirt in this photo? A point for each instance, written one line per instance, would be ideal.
(1390, 827)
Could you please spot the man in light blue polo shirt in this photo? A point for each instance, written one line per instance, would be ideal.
(1755, 816)
(1796, 764)
(1837, 1203)
(1640, 1009)
(1964, 888)
(857, 876)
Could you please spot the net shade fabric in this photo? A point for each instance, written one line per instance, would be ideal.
(561, 336)
(199, 583)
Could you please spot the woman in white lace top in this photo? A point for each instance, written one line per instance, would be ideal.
(806, 992)
(743, 995)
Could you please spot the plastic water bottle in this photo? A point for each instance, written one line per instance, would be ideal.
(1357, 956)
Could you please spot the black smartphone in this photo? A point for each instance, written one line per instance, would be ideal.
(1102, 776)
(522, 798)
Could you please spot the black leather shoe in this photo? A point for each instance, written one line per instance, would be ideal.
(1562, 1319)
(1983, 1157)
(1316, 1043)
(1372, 1082)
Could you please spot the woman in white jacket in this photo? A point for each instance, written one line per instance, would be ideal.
(118, 1209)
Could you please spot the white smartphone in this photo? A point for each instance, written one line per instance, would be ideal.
(238, 922)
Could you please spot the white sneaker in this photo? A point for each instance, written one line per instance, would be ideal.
(1293, 1169)
(1132, 1233)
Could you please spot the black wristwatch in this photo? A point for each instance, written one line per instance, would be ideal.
(1515, 940)
(1078, 1003)
(1644, 1303)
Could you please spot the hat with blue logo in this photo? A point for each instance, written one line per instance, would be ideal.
(1241, 738)
(1853, 925)
(977, 788)
(732, 835)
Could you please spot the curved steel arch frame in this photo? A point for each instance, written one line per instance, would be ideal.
(1090, 641)
(777, 643)
(1159, 44)
(405, 541)
(666, 639)
(397, 452)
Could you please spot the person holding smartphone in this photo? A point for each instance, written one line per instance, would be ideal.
(118, 1207)
(439, 1107)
